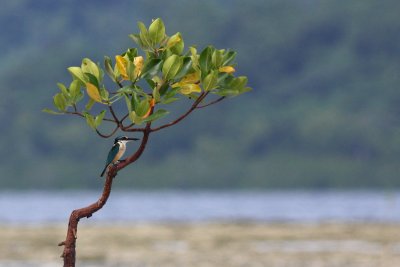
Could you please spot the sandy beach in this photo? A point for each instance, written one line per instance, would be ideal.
(206, 245)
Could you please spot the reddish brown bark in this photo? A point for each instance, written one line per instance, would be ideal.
(69, 253)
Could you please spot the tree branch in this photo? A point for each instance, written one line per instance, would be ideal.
(212, 102)
(107, 135)
(193, 107)
(81, 115)
(124, 117)
(117, 121)
(133, 130)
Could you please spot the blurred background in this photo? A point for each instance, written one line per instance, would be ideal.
(324, 115)
(324, 112)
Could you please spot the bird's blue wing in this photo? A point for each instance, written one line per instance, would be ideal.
(113, 152)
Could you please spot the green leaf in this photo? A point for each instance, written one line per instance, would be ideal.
(169, 100)
(131, 71)
(135, 101)
(171, 93)
(104, 94)
(63, 89)
(89, 66)
(175, 44)
(59, 102)
(151, 68)
(142, 108)
(217, 58)
(128, 103)
(157, 31)
(156, 115)
(205, 60)
(139, 90)
(227, 92)
(125, 90)
(144, 35)
(131, 53)
(228, 58)
(238, 83)
(151, 83)
(210, 81)
(99, 118)
(77, 73)
(135, 118)
(90, 120)
(136, 39)
(195, 58)
(163, 88)
(90, 104)
(186, 67)
(222, 76)
(92, 79)
(156, 94)
(75, 91)
(109, 68)
(245, 90)
(46, 110)
(171, 67)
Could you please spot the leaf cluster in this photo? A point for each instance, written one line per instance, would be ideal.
(156, 73)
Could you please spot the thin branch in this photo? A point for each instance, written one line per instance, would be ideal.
(74, 113)
(81, 115)
(107, 135)
(119, 84)
(124, 128)
(132, 130)
(124, 117)
(212, 102)
(117, 121)
(193, 107)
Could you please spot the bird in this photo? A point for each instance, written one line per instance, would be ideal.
(117, 151)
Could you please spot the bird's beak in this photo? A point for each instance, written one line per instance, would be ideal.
(133, 139)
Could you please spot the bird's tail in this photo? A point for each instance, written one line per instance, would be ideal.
(102, 173)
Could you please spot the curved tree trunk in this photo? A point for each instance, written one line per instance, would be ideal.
(69, 253)
(70, 241)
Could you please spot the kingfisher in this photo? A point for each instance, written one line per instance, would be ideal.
(117, 151)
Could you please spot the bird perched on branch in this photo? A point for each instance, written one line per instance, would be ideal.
(117, 151)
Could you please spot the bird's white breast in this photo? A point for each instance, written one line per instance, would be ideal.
(121, 151)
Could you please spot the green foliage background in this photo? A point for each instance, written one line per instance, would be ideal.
(324, 112)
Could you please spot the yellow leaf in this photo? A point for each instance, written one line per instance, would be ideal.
(121, 66)
(190, 88)
(227, 69)
(174, 39)
(93, 92)
(138, 62)
(188, 79)
(191, 78)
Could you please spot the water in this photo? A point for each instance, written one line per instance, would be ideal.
(39, 207)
